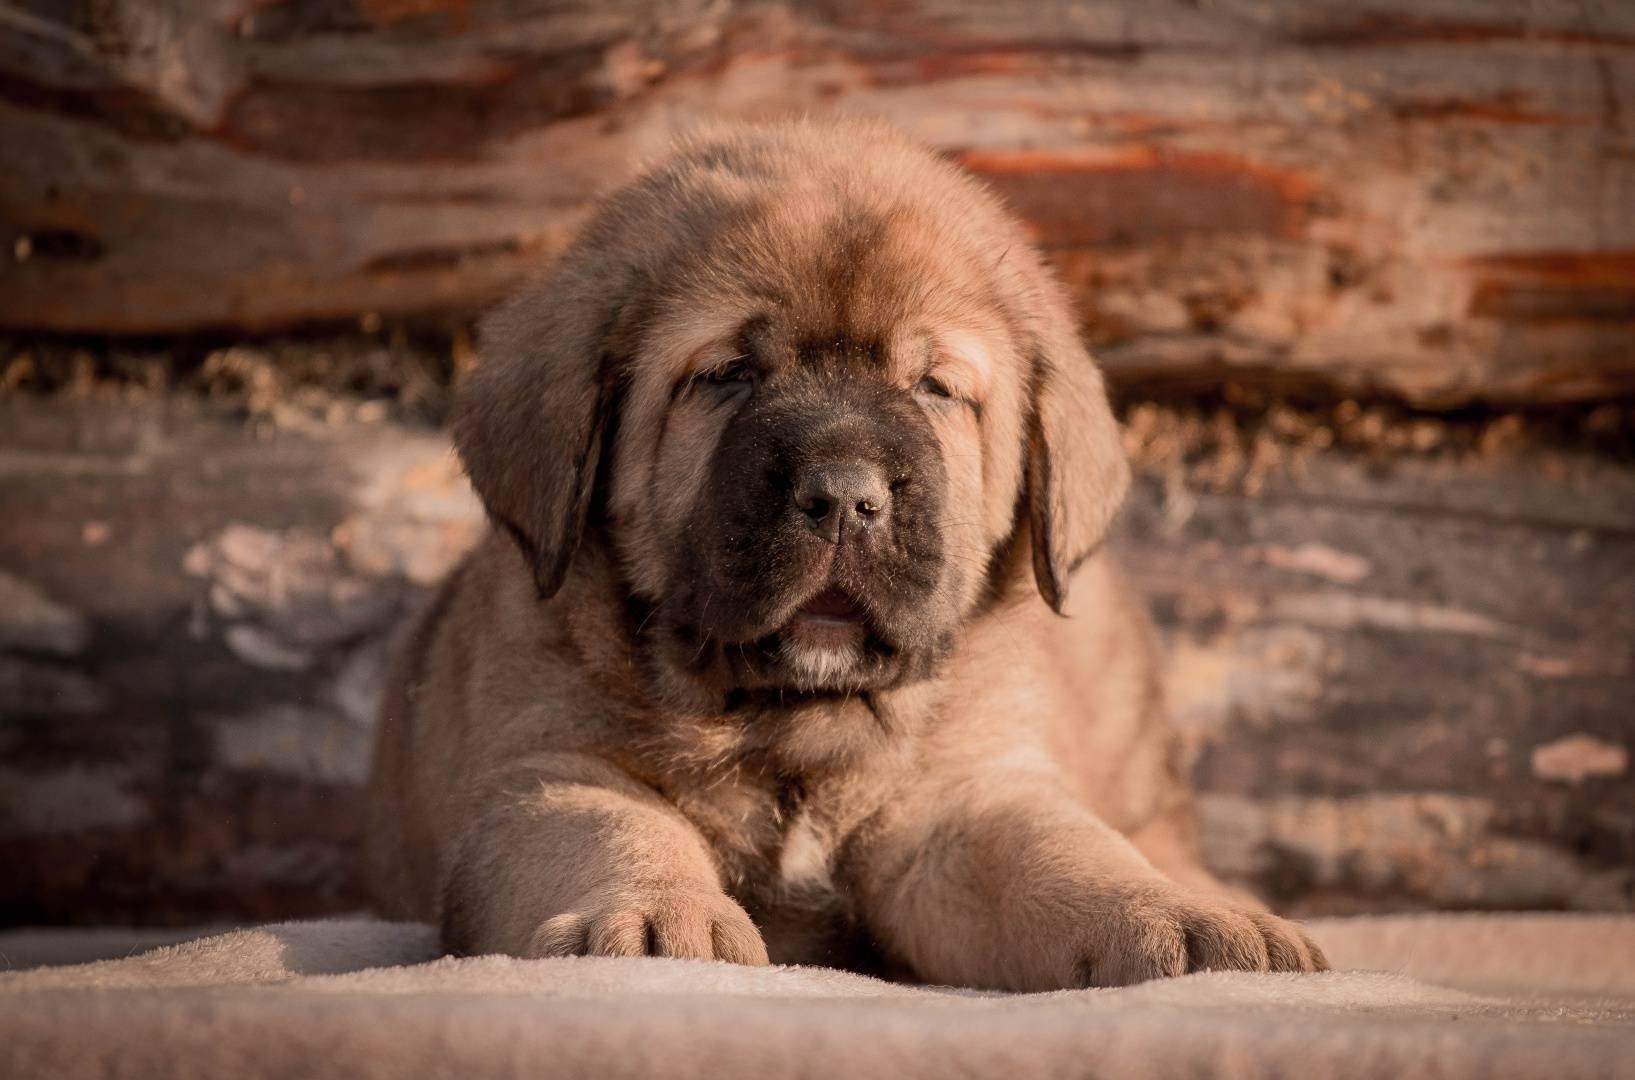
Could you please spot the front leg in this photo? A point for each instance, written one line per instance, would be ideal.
(568, 855)
(1006, 882)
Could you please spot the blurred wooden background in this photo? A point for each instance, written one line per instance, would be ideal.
(1363, 274)
(1426, 197)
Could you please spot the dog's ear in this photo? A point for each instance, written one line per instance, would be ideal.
(1076, 470)
(529, 421)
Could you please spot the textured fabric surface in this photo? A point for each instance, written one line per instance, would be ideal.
(1447, 996)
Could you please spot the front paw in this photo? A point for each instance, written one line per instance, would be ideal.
(682, 922)
(1165, 931)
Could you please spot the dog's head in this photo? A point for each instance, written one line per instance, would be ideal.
(812, 386)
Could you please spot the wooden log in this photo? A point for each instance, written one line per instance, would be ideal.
(1402, 678)
(187, 694)
(1428, 200)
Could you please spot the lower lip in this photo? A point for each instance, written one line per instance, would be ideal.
(825, 629)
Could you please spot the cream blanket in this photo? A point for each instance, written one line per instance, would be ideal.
(1444, 996)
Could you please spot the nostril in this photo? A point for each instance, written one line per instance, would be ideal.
(834, 497)
(816, 507)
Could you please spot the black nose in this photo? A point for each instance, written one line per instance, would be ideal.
(839, 498)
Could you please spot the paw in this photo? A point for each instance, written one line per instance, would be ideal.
(685, 923)
(1172, 931)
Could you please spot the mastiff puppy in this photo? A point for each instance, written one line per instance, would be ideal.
(792, 640)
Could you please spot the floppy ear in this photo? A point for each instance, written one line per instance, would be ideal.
(1076, 470)
(529, 420)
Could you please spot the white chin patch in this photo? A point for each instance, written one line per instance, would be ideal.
(817, 663)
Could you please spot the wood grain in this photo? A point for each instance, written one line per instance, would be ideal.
(1431, 200)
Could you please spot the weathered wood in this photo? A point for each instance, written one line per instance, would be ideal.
(1403, 680)
(188, 697)
(1435, 200)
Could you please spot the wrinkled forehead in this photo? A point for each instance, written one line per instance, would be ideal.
(875, 291)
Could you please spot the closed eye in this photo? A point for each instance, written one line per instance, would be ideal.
(931, 386)
(731, 379)
(730, 373)
(933, 393)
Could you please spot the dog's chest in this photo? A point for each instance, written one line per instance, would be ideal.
(771, 835)
(778, 842)
(805, 859)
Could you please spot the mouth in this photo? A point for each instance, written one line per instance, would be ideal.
(831, 605)
(824, 639)
(829, 644)
(829, 619)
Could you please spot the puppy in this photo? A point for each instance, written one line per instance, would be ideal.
(791, 640)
